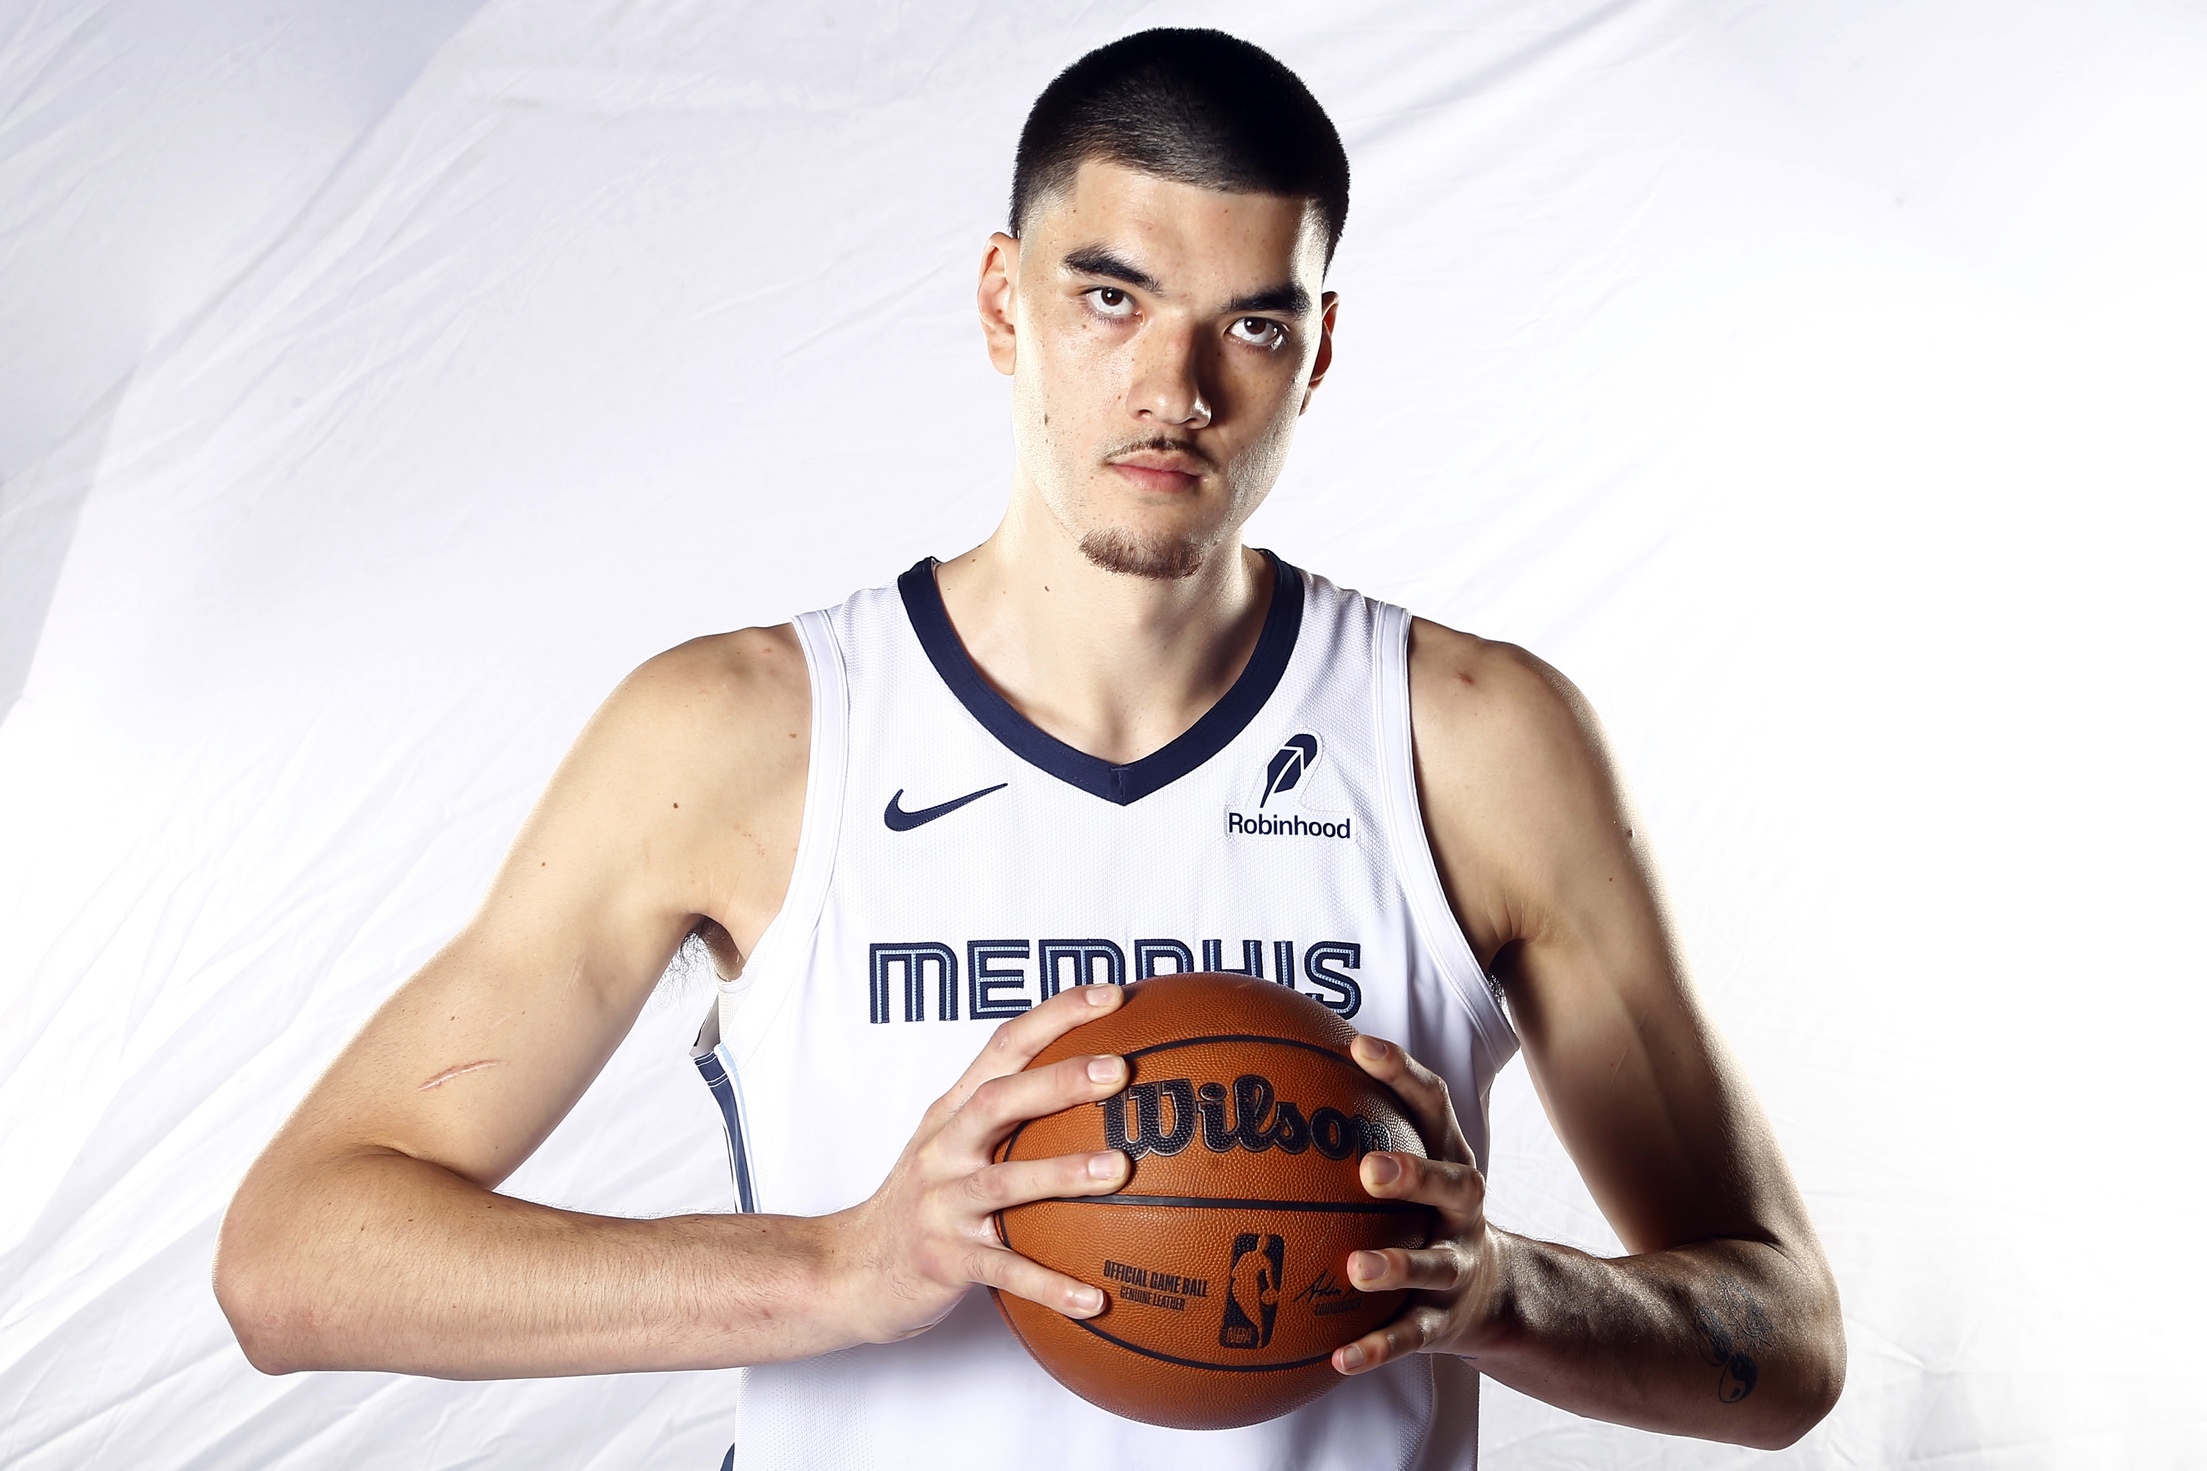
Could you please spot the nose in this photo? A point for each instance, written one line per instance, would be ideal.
(1168, 386)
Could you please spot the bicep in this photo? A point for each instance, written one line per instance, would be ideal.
(475, 1059)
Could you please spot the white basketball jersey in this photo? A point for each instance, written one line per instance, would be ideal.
(957, 866)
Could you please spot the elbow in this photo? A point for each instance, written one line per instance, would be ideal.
(255, 1295)
(1790, 1424)
(1807, 1410)
(1826, 1377)
(1818, 1374)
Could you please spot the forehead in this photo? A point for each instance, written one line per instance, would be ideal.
(1199, 241)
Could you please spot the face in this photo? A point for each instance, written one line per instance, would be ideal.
(1162, 340)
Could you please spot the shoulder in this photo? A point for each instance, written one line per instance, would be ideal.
(745, 685)
(719, 724)
(688, 783)
(1485, 701)
(1514, 778)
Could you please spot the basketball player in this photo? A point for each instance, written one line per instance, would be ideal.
(923, 832)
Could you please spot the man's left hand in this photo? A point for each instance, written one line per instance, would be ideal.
(1452, 1277)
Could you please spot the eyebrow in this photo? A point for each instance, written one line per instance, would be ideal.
(1096, 260)
(1286, 297)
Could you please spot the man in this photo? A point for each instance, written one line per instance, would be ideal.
(982, 795)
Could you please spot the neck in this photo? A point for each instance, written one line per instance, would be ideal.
(1112, 665)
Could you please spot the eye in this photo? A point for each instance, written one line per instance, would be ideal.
(1259, 332)
(1110, 301)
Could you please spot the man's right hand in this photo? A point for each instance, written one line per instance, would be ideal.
(914, 1248)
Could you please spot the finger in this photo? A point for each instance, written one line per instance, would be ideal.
(1457, 1191)
(1015, 1043)
(1008, 1271)
(1436, 1269)
(1421, 1089)
(1407, 1334)
(994, 1107)
(1016, 1182)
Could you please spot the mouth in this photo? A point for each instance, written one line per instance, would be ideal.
(1168, 474)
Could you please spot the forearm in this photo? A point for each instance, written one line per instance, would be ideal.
(382, 1261)
(1727, 1340)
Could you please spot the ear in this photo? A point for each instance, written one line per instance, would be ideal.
(998, 298)
(1331, 301)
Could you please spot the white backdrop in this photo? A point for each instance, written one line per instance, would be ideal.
(1819, 384)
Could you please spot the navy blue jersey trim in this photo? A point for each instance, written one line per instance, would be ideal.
(739, 1157)
(923, 604)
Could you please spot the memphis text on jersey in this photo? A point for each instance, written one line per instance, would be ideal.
(994, 979)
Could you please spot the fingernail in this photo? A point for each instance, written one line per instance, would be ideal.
(1385, 1169)
(1352, 1357)
(1104, 1069)
(1088, 1300)
(1106, 1166)
(1366, 1265)
(1100, 995)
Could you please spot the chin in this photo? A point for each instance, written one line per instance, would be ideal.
(1161, 557)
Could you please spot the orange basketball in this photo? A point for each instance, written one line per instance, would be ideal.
(1224, 1258)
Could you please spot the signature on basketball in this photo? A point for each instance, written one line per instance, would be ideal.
(1326, 1296)
(1259, 1120)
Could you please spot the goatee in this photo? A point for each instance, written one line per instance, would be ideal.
(1163, 559)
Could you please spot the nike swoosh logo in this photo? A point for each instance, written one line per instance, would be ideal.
(901, 821)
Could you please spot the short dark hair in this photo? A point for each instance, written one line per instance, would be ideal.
(1194, 106)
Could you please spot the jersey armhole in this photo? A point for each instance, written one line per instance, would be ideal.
(766, 970)
(1415, 867)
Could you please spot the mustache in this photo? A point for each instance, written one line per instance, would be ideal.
(1162, 444)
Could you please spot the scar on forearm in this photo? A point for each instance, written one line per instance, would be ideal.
(455, 1072)
(1731, 1324)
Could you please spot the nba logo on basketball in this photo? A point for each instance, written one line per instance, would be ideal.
(1253, 1286)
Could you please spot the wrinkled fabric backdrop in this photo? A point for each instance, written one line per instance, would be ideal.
(1819, 384)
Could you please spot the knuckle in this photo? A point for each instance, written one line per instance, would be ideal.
(1070, 1082)
(981, 1189)
(928, 1158)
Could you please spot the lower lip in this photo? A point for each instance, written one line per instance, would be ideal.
(1167, 481)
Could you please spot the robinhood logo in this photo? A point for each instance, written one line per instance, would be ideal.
(1284, 773)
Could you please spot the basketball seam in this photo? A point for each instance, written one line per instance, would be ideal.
(1151, 1353)
(1236, 1202)
(1326, 1052)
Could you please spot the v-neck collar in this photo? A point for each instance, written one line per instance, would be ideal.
(923, 603)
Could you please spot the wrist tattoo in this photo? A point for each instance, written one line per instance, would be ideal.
(1733, 1329)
